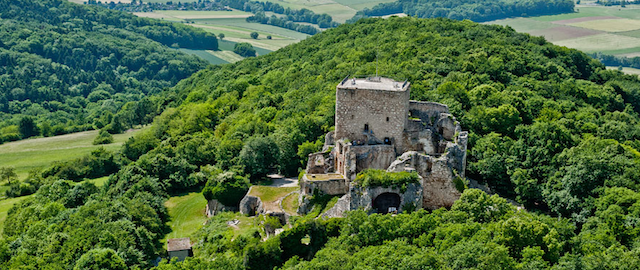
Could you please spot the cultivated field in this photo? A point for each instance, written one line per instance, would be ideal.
(611, 30)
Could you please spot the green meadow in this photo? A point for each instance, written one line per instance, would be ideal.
(187, 214)
(25, 155)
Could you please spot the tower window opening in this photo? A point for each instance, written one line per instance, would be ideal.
(387, 118)
(366, 127)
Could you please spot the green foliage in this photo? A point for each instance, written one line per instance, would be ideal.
(99, 163)
(8, 174)
(382, 178)
(259, 157)
(102, 258)
(86, 67)
(481, 207)
(226, 187)
(103, 138)
(244, 49)
(254, 35)
(27, 127)
(460, 183)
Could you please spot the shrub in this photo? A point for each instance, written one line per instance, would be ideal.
(103, 138)
(375, 178)
(244, 49)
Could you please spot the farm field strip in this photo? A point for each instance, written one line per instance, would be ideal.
(564, 33)
(601, 42)
(627, 70)
(228, 56)
(610, 25)
(209, 57)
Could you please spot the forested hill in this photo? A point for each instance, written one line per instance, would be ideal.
(67, 67)
(549, 127)
(475, 10)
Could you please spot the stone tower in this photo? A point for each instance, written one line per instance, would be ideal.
(372, 111)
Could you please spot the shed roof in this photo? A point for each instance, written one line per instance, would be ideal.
(176, 244)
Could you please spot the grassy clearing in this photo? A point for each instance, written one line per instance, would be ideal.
(227, 45)
(227, 56)
(206, 55)
(99, 181)
(601, 42)
(187, 214)
(270, 194)
(290, 204)
(29, 154)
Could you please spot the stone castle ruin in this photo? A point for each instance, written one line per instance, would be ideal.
(378, 127)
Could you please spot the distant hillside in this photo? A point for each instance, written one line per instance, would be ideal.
(475, 10)
(66, 67)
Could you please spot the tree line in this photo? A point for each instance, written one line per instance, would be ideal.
(475, 10)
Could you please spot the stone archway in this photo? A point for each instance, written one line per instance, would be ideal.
(385, 201)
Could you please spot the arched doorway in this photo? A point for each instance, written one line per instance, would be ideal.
(386, 201)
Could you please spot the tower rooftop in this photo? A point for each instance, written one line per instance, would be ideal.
(374, 83)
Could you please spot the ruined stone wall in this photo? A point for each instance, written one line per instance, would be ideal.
(385, 112)
(329, 187)
(373, 156)
(428, 112)
(363, 197)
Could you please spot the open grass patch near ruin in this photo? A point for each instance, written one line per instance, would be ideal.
(187, 214)
(270, 194)
(290, 203)
(382, 178)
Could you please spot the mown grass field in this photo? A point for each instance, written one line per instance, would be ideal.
(187, 214)
(28, 154)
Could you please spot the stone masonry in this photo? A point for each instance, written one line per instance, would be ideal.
(377, 126)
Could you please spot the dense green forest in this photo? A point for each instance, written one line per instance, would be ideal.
(66, 67)
(549, 126)
(475, 10)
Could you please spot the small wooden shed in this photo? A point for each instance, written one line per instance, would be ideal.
(179, 248)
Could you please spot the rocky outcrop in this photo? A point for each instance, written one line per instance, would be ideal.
(338, 209)
(251, 205)
(437, 174)
(214, 207)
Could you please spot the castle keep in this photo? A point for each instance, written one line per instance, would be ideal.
(378, 127)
